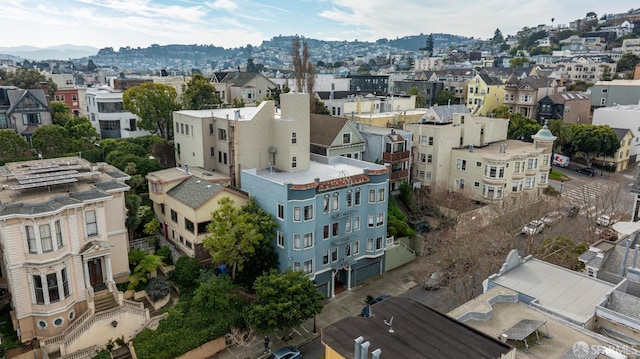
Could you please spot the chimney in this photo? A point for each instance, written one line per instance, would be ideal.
(364, 352)
(376, 354)
(356, 350)
(504, 338)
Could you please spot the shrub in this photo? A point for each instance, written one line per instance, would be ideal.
(135, 256)
(165, 254)
(158, 288)
(186, 273)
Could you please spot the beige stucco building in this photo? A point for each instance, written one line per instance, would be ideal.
(230, 140)
(62, 237)
(183, 200)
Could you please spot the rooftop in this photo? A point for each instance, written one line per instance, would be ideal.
(514, 148)
(417, 329)
(43, 185)
(245, 113)
(321, 168)
(181, 173)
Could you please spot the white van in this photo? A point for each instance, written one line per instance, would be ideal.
(560, 160)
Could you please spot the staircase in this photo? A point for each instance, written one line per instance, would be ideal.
(121, 353)
(104, 300)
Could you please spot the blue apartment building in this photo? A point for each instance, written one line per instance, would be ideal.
(332, 218)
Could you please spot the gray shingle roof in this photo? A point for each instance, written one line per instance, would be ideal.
(36, 208)
(624, 303)
(445, 113)
(110, 185)
(194, 191)
(325, 128)
(490, 80)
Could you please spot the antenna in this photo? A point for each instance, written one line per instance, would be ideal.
(389, 323)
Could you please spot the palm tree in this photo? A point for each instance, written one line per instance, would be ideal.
(561, 131)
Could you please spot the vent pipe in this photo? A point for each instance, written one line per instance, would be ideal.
(504, 338)
(186, 169)
(376, 354)
(364, 352)
(270, 167)
(356, 350)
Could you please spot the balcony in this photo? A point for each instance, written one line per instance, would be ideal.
(494, 180)
(395, 157)
(399, 175)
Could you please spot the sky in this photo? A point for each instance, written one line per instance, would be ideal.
(235, 23)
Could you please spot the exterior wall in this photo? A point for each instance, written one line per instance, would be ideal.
(354, 149)
(98, 119)
(616, 92)
(483, 98)
(294, 117)
(621, 117)
(190, 147)
(69, 96)
(620, 160)
(388, 119)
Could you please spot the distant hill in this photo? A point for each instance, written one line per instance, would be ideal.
(59, 52)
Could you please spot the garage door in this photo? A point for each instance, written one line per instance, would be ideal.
(368, 271)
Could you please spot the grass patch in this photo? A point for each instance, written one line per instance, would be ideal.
(558, 176)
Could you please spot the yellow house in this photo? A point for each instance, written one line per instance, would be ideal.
(620, 160)
(183, 199)
(484, 94)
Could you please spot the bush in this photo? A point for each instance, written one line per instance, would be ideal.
(186, 273)
(135, 256)
(165, 254)
(158, 288)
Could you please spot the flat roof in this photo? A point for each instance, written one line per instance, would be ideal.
(514, 148)
(418, 332)
(502, 315)
(246, 113)
(559, 290)
(331, 168)
(180, 173)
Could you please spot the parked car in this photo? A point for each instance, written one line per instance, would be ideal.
(366, 311)
(534, 227)
(570, 210)
(436, 280)
(551, 218)
(588, 171)
(288, 352)
(604, 220)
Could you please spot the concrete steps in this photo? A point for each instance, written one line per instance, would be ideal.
(104, 301)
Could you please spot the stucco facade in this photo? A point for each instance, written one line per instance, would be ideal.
(615, 92)
(108, 116)
(63, 235)
(484, 94)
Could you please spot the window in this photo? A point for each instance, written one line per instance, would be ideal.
(369, 244)
(370, 220)
(294, 162)
(37, 285)
(188, 225)
(355, 248)
(174, 216)
(349, 198)
(423, 157)
(308, 266)
(182, 128)
(529, 182)
(379, 243)
(186, 129)
(335, 231)
(357, 200)
(31, 239)
(325, 204)
(296, 266)
(296, 214)
(65, 282)
(280, 211)
(605, 90)
(325, 258)
(381, 193)
(308, 240)
(380, 220)
(421, 174)
(30, 118)
(356, 224)
(372, 196)
(212, 152)
(294, 138)
(280, 239)
(52, 286)
(347, 225)
(211, 128)
(543, 178)
(476, 184)
(545, 160)
(603, 101)
(427, 176)
(308, 212)
(423, 140)
(325, 232)
(347, 250)
(525, 98)
(532, 163)
(430, 141)
(429, 158)
(91, 222)
(45, 238)
(460, 183)
(516, 186)
(60, 242)
(346, 138)
(478, 164)
(461, 164)
(494, 171)
(296, 241)
(222, 134)
(334, 254)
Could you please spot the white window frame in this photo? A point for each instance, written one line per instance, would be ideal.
(89, 226)
(280, 239)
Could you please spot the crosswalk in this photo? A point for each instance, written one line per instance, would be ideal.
(594, 198)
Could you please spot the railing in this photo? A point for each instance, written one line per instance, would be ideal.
(397, 156)
(115, 292)
(84, 353)
(72, 327)
(400, 243)
(399, 174)
(141, 243)
(154, 322)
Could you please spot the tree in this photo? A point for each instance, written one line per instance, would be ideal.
(284, 301)
(154, 103)
(592, 141)
(218, 299)
(497, 37)
(186, 273)
(234, 236)
(132, 203)
(501, 112)
(428, 46)
(522, 128)
(50, 140)
(28, 79)
(518, 61)
(60, 112)
(237, 103)
(627, 62)
(199, 93)
(606, 74)
(561, 250)
(305, 70)
(561, 131)
(91, 67)
(420, 100)
(82, 134)
(444, 98)
(251, 65)
(12, 144)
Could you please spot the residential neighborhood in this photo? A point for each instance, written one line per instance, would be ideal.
(326, 199)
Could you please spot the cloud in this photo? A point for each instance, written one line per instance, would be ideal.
(222, 5)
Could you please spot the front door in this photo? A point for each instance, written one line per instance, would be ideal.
(95, 271)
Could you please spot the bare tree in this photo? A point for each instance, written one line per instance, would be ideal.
(242, 338)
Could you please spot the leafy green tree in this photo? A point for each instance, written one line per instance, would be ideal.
(428, 46)
(501, 111)
(592, 141)
(237, 103)
(61, 113)
(627, 62)
(199, 93)
(186, 274)
(444, 98)
(234, 236)
(420, 100)
(561, 131)
(82, 134)
(364, 69)
(12, 144)
(132, 203)
(497, 37)
(27, 79)
(154, 103)
(317, 106)
(91, 67)
(518, 61)
(606, 74)
(285, 300)
(522, 128)
(50, 140)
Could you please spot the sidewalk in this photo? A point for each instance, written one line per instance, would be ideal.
(346, 304)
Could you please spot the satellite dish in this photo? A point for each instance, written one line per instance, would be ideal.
(389, 323)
